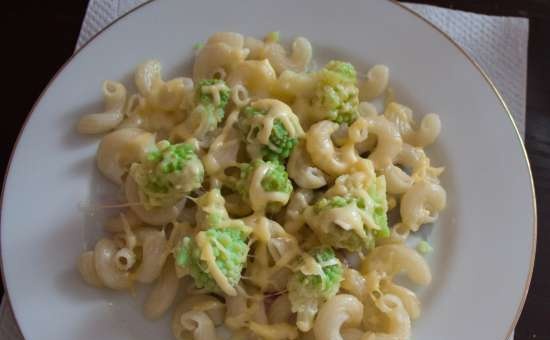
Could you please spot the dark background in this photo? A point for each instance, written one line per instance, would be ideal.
(39, 36)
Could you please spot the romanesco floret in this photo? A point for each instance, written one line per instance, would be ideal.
(317, 279)
(229, 248)
(331, 233)
(337, 96)
(212, 98)
(360, 220)
(167, 174)
(274, 180)
(280, 143)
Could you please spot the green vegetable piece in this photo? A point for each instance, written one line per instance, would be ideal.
(377, 192)
(211, 111)
(337, 96)
(310, 289)
(424, 248)
(275, 180)
(280, 144)
(167, 174)
(230, 248)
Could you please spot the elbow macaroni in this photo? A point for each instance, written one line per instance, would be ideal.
(361, 164)
(115, 99)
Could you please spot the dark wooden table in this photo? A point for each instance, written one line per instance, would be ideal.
(39, 36)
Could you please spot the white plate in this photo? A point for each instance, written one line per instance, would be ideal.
(483, 242)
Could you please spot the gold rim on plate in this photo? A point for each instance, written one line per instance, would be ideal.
(395, 2)
(522, 145)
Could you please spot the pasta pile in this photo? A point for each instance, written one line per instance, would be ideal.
(257, 195)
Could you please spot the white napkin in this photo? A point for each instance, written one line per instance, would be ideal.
(498, 44)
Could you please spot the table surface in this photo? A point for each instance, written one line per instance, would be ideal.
(53, 28)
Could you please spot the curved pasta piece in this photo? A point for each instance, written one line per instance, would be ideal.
(154, 216)
(422, 203)
(230, 38)
(86, 267)
(119, 149)
(392, 259)
(427, 133)
(416, 160)
(114, 94)
(280, 310)
(329, 158)
(255, 46)
(161, 104)
(398, 326)
(198, 324)
(355, 283)
(402, 117)
(340, 310)
(258, 76)
(352, 334)
(223, 50)
(294, 215)
(223, 151)
(291, 85)
(367, 110)
(389, 142)
(207, 304)
(375, 83)
(397, 180)
(408, 298)
(146, 75)
(273, 251)
(237, 310)
(279, 331)
(163, 294)
(154, 249)
(297, 61)
(105, 266)
(301, 169)
(239, 95)
(170, 95)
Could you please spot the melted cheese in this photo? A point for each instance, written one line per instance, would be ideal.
(276, 110)
(215, 90)
(224, 148)
(309, 266)
(274, 249)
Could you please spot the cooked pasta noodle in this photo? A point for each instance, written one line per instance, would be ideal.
(256, 195)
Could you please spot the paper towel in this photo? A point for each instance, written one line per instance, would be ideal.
(497, 44)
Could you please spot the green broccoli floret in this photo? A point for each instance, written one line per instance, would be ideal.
(367, 207)
(230, 249)
(274, 180)
(337, 96)
(210, 109)
(167, 174)
(317, 279)
(280, 143)
(320, 218)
